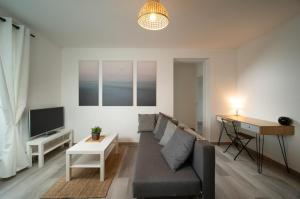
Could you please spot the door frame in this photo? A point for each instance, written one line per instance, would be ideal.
(206, 93)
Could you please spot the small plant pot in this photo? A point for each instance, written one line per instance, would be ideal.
(95, 136)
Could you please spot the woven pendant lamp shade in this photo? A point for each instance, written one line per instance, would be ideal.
(153, 16)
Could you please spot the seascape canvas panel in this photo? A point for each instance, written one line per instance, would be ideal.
(146, 83)
(117, 86)
(88, 83)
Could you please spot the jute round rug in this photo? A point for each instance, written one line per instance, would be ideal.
(85, 183)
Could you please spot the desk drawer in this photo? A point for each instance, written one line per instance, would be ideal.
(250, 127)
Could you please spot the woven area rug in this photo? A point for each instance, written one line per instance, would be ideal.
(85, 183)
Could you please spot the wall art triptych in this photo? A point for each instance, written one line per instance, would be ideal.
(117, 83)
(146, 83)
(88, 83)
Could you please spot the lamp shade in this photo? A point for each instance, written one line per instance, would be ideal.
(153, 16)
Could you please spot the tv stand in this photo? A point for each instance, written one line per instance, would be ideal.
(50, 133)
(42, 145)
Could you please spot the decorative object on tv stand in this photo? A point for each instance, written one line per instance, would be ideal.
(153, 16)
(96, 131)
(286, 121)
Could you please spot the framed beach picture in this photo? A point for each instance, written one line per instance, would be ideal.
(88, 83)
(146, 83)
(117, 83)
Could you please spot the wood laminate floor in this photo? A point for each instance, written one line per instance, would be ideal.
(234, 179)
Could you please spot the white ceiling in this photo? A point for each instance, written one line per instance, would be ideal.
(214, 24)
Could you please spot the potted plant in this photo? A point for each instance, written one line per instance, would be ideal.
(96, 133)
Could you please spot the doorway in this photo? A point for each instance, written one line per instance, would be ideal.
(189, 93)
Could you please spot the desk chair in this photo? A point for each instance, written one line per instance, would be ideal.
(238, 139)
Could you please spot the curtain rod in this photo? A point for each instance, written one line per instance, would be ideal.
(15, 26)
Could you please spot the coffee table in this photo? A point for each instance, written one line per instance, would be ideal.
(92, 154)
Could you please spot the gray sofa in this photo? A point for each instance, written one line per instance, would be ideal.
(153, 177)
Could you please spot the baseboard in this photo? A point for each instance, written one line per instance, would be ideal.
(221, 143)
(266, 158)
(129, 143)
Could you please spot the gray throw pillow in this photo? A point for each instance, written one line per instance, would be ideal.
(178, 149)
(160, 127)
(156, 118)
(169, 132)
(156, 129)
(146, 122)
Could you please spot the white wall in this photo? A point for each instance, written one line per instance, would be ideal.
(123, 120)
(269, 79)
(45, 73)
(199, 91)
(199, 100)
(185, 93)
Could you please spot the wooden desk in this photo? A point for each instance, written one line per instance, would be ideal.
(261, 128)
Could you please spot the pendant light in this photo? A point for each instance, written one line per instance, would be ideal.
(153, 16)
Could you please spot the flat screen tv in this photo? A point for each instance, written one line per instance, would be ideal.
(45, 121)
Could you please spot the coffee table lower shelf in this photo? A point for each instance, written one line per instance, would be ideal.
(87, 161)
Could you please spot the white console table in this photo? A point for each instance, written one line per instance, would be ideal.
(44, 144)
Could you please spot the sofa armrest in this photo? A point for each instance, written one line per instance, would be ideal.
(203, 164)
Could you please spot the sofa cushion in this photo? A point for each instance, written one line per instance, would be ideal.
(178, 149)
(156, 118)
(160, 126)
(169, 132)
(175, 121)
(153, 177)
(182, 125)
(146, 122)
(157, 125)
(197, 135)
(166, 115)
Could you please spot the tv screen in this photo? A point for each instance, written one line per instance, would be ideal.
(45, 120)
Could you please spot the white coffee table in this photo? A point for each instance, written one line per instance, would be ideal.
(93, 154)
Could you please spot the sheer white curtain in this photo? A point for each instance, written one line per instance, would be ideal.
(14, 73)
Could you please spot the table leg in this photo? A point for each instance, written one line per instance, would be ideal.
(102, 167)
(41, 155)
(260, 151)
(68, 167)
(29, 154)
(283, 151)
